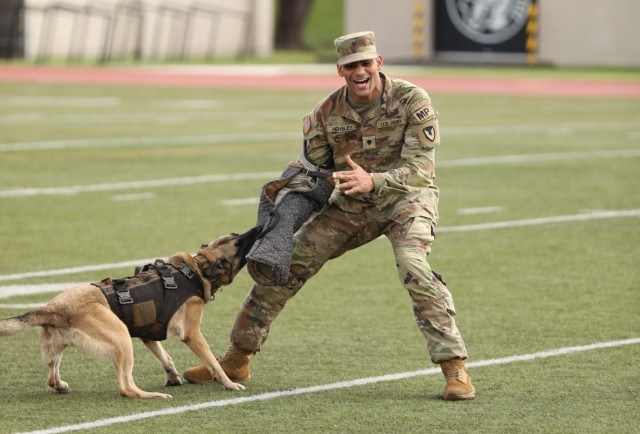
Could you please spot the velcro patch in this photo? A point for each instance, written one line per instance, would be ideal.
(341, 128)
(306, 124)
(369, 142)
(390, 123)
(429, 132)
(423, 114)
(144, 314)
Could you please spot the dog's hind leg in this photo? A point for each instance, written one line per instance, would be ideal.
(51, 346)
(105, 335)
(173, 378)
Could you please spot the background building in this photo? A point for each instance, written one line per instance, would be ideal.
(554, 32)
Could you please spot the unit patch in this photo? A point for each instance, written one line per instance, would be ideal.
(306, 124)
(429, 132)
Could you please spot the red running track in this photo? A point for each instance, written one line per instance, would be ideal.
(257, 80)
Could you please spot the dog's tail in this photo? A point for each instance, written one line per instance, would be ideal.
(11, 326)
(38, 317)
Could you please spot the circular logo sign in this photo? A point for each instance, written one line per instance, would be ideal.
(488, 21)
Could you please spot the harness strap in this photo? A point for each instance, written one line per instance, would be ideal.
(315, 173)
(170, 287)
(125, 300)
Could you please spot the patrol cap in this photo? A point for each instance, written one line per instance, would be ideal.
(355, 47)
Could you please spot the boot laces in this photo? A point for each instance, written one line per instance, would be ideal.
(454, 371)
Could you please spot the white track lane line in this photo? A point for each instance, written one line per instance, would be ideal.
(329, 387)
(463, 228)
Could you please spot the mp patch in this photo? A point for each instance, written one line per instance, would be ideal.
(422, 115)
(429, 132)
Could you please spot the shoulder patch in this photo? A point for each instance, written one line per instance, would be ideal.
(429, 132)
(423, 114)
(306, 124)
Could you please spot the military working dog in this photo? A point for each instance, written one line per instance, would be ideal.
(100, 318)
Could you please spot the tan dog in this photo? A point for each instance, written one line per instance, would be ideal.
(82, 316)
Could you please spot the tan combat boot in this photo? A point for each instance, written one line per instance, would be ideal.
(235, 363)
(458, 385)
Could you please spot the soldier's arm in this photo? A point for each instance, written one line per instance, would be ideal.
(421, 136)
(316, 149)
(316, 155)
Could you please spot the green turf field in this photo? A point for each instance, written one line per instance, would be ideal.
(93, 175)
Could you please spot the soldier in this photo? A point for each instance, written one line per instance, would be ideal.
(378, 136)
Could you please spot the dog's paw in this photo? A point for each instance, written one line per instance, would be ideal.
(234, 386)
(173, 382)
(157, 395)
(61, 387)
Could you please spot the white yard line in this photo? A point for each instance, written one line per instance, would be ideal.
(528, 158)
(240, 202)
(206, 179)
(275, 136)
(207, 139)
(41, 288)
(56, 101)
(151, 183)
(480, 210)
(186, 115)
(248, 137)
(21, 305)
(462, 228)
(331, 386)
(541, 221)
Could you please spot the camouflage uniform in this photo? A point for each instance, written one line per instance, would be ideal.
(394, 143)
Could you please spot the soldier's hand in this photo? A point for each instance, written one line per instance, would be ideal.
(356, 180)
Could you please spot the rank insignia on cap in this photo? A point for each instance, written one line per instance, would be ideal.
(306, 124)
(430, 132)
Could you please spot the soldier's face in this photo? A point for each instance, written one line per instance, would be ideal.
(362, 78)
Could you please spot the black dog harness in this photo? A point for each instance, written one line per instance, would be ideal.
(147, 301)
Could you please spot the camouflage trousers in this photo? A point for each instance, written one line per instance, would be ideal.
(331, 233)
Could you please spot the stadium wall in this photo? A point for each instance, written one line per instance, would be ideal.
(147, 29)
(563, 33)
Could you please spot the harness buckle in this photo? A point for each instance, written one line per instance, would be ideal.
(187, 271)
(169, 282)
(124, 296)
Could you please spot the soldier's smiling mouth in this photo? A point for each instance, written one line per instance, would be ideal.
(361, 83)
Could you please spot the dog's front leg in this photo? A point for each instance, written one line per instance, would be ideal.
(193, 338)
(196, 342)
(172, 376)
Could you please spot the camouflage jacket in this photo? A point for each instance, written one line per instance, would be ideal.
(395, 143)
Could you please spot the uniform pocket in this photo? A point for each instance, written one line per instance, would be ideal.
(422, 229)
(445, 295)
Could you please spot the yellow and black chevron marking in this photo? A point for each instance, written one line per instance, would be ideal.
(418, 31)
(531, 44)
